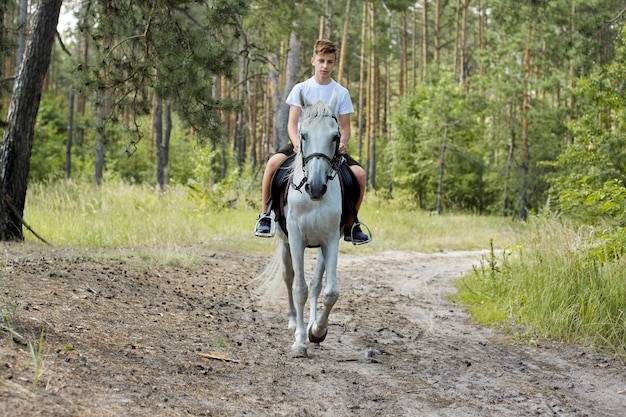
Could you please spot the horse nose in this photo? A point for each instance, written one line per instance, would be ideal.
(316, 192)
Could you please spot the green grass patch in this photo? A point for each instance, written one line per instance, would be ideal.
(552, 285)
(77, 215)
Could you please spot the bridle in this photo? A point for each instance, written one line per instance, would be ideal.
(333, 162)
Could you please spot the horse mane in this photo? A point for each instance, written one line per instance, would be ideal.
(314, 114)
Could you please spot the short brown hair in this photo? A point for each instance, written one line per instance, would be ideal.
(324, 46)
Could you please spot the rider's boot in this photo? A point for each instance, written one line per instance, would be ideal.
(355, 235)
(263, 226)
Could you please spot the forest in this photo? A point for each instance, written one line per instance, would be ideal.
(489, 110)
(493, 107)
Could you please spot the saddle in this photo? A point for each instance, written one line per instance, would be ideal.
(350, 192)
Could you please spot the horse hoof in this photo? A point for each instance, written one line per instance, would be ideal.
(315, 339)
(299, 352)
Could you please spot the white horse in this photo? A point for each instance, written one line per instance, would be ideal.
(313, 219)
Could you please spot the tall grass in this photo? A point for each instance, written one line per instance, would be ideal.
(553, 285)
(77, 215)
(36, 355)
(68, 214)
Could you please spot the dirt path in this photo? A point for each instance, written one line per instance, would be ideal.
(122, 339)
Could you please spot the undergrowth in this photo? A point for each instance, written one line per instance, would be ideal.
(552, 285)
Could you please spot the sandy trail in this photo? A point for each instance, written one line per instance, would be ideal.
(122, 337)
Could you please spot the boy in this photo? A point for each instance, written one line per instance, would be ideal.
(319, 86)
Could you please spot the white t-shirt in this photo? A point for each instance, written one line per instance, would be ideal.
(314, 91)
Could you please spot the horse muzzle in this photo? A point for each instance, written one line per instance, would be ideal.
(316, 192)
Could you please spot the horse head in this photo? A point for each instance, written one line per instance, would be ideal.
(319, 145)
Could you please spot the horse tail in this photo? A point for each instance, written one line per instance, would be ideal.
(269, 283)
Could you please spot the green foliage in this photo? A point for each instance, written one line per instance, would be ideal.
(419, 130)
(48, 154)
(130, 154)
(172, 48)
(591, 171)
(552, 285)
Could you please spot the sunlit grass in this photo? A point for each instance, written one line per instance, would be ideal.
(122, 215)
(68, 214)
(396, 227)
(551, 286)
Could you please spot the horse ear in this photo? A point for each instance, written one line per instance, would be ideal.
(333, 101)
(303, 101)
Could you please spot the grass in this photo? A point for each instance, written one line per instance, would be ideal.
(74, 215)
(551, 286)
(36, 355)
(538, 280)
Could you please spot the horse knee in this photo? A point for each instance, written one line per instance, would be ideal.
(330, 297)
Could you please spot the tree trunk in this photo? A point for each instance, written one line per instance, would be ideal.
(457, 24)
(482, 41)
(253, 108)
(387, 111)
(437, 30)
(240, 115)
(100, 138)
(361, 105)
(442, 161)
(274, 93)
(414, 74)
(403, 55)
(464, 75)
(325, 22)
(372, 100)
(282, 115)
(18, 135)
(509, 164)
(424, 37)
(344, 44)
(22, 31)
(70, 131)
(523, 198)
(157, 128)
(375, 131)
(167, 135)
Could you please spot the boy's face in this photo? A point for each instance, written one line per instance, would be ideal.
(324, 64)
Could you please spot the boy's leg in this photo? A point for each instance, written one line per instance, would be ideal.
(264, 224)
(355, 234)
(359, 174)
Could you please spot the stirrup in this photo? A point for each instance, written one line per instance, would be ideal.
(369, 233)
(272, 231)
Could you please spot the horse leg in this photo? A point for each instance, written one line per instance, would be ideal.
(288, 278)
(319, 328)
(300, 294)
(314, 292)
